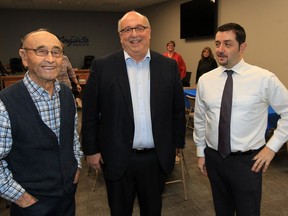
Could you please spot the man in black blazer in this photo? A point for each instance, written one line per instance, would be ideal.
(133, 119)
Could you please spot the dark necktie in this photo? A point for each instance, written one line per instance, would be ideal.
(224, 146)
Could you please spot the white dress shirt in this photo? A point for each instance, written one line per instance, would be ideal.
(139, 80)
(254, 89)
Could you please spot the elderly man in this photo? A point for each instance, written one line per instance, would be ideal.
(39, 147)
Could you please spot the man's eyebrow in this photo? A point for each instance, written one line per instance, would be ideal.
(54, 47)
(225, 41)
(57, 47)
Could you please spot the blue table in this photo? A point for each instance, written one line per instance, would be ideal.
(190, 92)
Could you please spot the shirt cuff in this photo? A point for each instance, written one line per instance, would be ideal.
(274, 144)
(200, 151)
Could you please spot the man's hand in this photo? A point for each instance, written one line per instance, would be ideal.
(95, 161)
(78, 87)
(202, 166)
(26, 200)
(263, 159)
(76, 177)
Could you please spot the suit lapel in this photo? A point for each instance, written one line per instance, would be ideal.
(155, 74)
(124, 81)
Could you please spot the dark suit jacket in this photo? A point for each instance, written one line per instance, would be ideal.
(108, 123)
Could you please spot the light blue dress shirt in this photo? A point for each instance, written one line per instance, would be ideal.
(139, 79)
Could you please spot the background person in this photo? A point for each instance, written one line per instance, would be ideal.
(67, 73)
(206, 63)
(133, 118)
(170, 53)
(39, 147)
(236, 179)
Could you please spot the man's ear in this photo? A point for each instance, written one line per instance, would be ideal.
(23, 56)
(243, 47)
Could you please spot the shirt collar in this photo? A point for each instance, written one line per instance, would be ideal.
(34, 89)
(147, 56)
(238, 68)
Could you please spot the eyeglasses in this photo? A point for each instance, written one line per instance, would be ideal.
(44, 52)
(138, 29)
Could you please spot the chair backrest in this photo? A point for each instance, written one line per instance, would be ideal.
(3, 70)
(191, 102)
(88, 61)
(10, 80)
(186, 79)
(16, 65)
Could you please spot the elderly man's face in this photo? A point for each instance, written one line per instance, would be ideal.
(43, 67)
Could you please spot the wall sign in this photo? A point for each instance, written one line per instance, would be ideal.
(74, 40)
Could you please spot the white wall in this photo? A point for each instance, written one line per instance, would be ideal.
(265, 22)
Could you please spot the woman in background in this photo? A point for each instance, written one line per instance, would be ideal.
(170, 53)
(67, 75)
(206, 63)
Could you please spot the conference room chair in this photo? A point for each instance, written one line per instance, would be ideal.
(182, 162)
(190, 115)
(88, 61)
(9, 80)
(16, 65)
(181, 179)
(3, 71)
(186, 79)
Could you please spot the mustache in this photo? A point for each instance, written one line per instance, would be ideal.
(221, 54)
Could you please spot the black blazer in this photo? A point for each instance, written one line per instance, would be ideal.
(108, 123)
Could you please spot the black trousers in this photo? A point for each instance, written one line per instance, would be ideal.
(144, 178)
(235, 188)
(49, 206)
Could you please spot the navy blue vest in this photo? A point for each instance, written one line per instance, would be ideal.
(38, 163)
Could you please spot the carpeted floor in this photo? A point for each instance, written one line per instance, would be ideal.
(199, 202)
